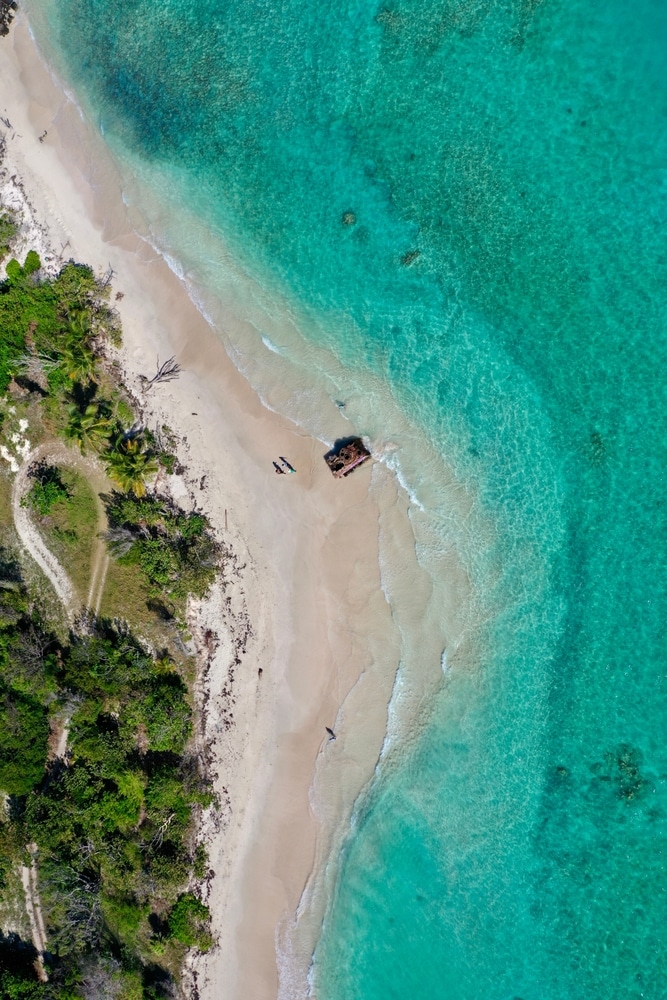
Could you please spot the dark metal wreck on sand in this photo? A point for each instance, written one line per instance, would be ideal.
(346, 456)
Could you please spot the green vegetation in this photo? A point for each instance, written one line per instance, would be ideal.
(114, 825)
(114, 828)
(37, 316)
(8, 230)
(70, 524)
(130, 461)
(89, 428)
(175, 552)
(188, 922)
(17, 972)
(48, 489)
(53, 332)
(26, 683)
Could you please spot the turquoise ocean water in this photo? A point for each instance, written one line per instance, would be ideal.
(468, 198)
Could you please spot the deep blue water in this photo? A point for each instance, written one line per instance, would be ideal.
(470, 199)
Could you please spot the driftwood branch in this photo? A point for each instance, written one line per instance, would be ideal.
(108, 277)
(166, 372)
(158, 837)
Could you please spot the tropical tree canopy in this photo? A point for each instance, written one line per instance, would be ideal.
(130, 462)
(90, 428)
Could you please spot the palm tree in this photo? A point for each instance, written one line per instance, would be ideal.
(78, 323)
(79, 361)
(77, 357)
(90, 428)
(129, 463)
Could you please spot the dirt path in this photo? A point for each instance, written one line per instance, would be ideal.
(34, 910)
(57, 453)
(33, 542)
(98, 575)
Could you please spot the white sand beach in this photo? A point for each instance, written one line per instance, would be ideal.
(305, 637)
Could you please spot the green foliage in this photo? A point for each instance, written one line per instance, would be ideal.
(57, 380)
(107, 662)
(14, 272)
(24, 731)
(29, 652)
(123, 918)
(189, 922)
(130, 461)
(200, 867)
(175, 551)
(24, 306)
(131, 986)
(89, 428)
(164, 713)
(48, 489)
(114, 824)
(27, 664)
(8, 230)
(32, 263)
(167, 460)
(45, 315)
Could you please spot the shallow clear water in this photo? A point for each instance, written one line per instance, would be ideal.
(468, 199)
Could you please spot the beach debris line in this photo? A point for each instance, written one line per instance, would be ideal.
(346, 456)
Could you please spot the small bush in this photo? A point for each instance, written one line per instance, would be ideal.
(8, 230)
(189, 922)
(167, 461)
(32, 263)
(48, 489)
(175, 551)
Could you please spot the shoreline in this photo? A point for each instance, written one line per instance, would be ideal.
(315, 617)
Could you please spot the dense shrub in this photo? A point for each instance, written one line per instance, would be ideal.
(115, 825)
(24, 731)
(48, 488)
(189, 922)
(27, 664)
(175, 551)
(36, 316)
(8, 230)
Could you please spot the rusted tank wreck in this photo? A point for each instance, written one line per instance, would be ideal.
(346, 456)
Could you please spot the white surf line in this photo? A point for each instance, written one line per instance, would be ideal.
(33, 543)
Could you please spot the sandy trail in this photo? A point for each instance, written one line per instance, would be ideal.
(34, 911)
(57, 453)
(61, 749)
(33, 542)
(98, 575)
